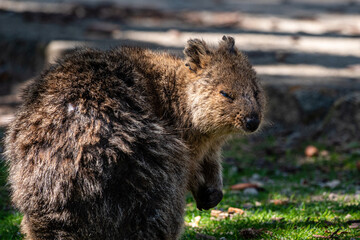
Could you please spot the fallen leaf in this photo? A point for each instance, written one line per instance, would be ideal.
(354, 225)
(331, 236)
(194, 223)
(242, 186)
(235, 211)
(223, 215)
(218, 215)
(279, 202)
(277, 219)
(215, 213)
(311, 151)
(320, 236)
(197, 220)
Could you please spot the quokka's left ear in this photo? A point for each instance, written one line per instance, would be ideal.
(197, 54)
(228, 43)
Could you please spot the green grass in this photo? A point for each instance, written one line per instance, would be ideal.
(311, 208)
(9, 218)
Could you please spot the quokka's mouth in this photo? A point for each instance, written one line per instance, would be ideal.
(239, 128)
(247, 128)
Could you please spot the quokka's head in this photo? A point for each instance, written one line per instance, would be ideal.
(223, 94)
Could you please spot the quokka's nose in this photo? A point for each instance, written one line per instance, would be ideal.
(252, 122)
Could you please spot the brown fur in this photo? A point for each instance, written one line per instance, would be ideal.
(106, 144)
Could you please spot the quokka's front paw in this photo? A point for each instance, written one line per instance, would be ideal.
(208, 197)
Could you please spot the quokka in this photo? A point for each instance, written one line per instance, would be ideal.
(107, 143)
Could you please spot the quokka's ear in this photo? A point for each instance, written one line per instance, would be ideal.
(197, 54)
(228, 43)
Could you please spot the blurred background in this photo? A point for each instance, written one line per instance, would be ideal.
(306, 52)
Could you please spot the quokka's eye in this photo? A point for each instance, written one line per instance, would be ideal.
(226, 95)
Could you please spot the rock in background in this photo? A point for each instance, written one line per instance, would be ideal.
(342, 124)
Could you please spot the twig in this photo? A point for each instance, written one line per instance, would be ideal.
(333, 234)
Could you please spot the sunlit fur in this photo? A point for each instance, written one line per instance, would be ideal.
(232, 73)
(106, 144)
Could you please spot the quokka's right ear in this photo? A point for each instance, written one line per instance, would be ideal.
(197, 54)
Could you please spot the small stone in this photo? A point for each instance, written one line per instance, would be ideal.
(251, 191)
(255, 176)
(324, 153)
(332, 184)
(233, 170)
(333, 197)
(247, 205)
